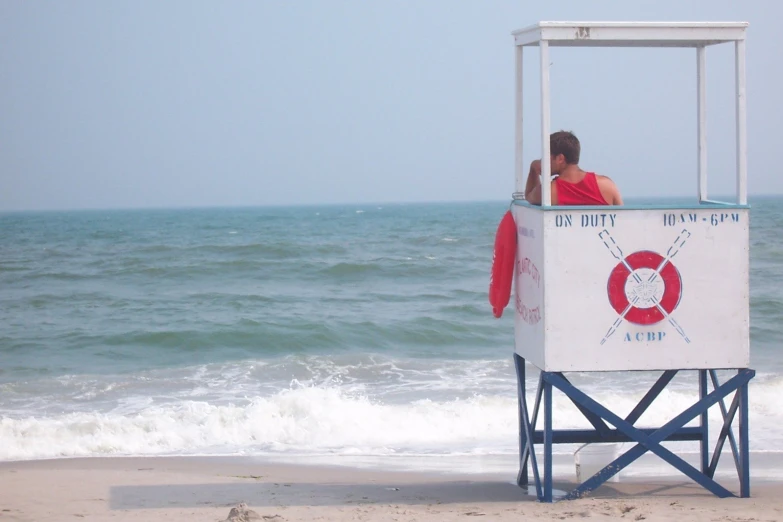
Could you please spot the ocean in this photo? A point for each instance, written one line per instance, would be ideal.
(312, 332)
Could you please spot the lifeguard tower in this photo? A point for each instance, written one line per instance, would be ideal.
(633, 288)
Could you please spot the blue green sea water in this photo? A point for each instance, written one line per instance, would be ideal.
(312, 331)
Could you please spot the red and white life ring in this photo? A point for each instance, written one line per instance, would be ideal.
(670, 288)
(503, 264)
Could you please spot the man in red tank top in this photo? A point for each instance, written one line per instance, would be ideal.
(572, 186)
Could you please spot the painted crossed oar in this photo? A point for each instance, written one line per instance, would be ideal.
(617, 253)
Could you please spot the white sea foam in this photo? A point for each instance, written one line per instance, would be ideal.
(330, 420)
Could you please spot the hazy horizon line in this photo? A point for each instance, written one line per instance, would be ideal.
(629, 199)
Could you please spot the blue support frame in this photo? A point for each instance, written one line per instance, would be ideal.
(647, 439)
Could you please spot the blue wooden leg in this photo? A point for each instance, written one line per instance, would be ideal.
(728, 418)
(547, 442)
(703, 424)
(599, 425)
(532, 431)
(650, 396)
(522, 477)
(528, 450)
(744, 448)
(726, 431)
(652, 442)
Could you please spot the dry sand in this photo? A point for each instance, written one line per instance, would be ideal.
(205, 489)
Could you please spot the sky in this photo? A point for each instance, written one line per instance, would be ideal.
(135, 104)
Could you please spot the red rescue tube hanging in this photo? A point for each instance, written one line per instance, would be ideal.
(503, 264)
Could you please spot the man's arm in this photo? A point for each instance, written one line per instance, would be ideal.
(533, 186)
(610, 191)
(618, 200)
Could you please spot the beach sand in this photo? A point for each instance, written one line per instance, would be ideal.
(206, 488)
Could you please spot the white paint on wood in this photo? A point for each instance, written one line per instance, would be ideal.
(742, 141)
(546, 167)
(633, 289)
(701, 87)
(528, 298)
(631, 34)
(519, 165)
(623, 289)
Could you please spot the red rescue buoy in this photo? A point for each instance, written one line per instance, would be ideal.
(503, 264)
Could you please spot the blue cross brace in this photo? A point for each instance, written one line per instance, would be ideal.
(647, 439)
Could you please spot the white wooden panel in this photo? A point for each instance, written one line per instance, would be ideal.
(641, 289)
(528, 298)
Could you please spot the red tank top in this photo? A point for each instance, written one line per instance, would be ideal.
(586, 192)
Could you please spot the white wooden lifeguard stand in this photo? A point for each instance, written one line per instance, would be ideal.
(627, 288)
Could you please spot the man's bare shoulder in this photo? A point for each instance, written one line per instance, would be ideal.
(605, 180)
(609, 189)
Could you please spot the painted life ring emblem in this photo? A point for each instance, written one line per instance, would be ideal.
(644, 288)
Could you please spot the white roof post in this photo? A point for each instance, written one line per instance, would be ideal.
(546, 168)
(519, 166)
(742, 140)
(701, 87)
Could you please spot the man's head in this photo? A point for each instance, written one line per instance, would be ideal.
(564, 150)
